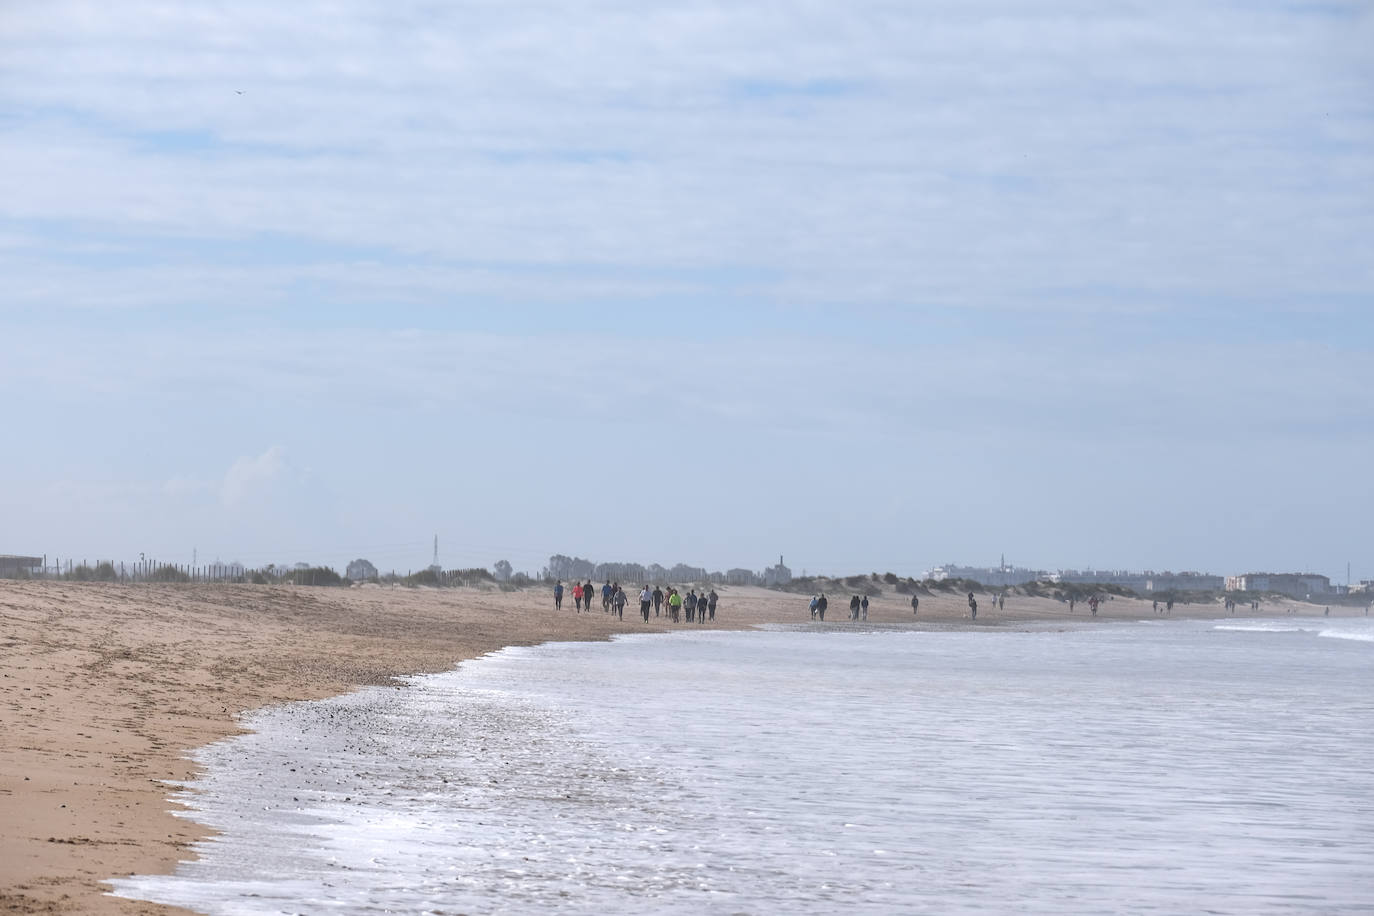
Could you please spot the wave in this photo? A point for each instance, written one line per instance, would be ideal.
(1263, 628)
(1347, 634)
(1358, 635)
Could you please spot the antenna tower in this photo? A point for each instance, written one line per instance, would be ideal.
(436, 550)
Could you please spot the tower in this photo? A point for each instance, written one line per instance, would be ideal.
(436, 551)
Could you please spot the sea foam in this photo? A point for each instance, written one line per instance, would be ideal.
(1113, 769)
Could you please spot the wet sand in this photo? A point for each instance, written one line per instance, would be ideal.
(105, 688)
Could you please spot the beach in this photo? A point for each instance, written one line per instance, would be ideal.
(104, 690)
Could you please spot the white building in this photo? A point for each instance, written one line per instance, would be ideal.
(777, 575)
(1294, 585)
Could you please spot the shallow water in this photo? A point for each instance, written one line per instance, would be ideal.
(1178, 766)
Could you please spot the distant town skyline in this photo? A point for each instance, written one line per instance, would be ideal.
(563, 567)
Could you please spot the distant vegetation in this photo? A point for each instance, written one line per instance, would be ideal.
(168, 573)
(316, 575)
(1073, 591)
(101, 572)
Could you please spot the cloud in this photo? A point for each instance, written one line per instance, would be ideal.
(965, 154)
(303, 382)
(250, 476)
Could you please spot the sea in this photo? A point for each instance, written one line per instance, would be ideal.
(1177, 766)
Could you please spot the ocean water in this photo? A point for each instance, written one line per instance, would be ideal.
(1162, 767)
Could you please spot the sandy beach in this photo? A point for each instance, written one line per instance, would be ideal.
(105, 688)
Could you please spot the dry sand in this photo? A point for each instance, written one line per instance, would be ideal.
(105, 688)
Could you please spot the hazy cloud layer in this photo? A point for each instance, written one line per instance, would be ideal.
(1045, 155)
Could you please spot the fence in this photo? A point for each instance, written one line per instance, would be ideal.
(143, 571)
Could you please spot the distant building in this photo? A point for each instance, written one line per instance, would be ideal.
(1294, 585)
(360, 569)
(682, 573)
(1002, 575)
(621, 573)
(1184, 582)
(777, 575)
(740, 577)
(11, 565)
(1147, 581)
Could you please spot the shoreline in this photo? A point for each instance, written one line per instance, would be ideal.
(107, 689)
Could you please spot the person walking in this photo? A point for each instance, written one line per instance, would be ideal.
(577, 596)
(618, 601)
(607, 592)
(972, 606)
(645, 599)
(854, 608)
(821, 606)
(711, 601)
(558, 597)
(658, 599)
(864, 606)
(690, 604)
(674, 604)
(915, 604)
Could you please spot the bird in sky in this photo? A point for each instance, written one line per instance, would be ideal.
(239, 91)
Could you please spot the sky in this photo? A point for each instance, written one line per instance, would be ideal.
(873, 286)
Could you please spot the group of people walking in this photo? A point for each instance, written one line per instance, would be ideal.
(858, 607)
(699, 608)
(999, 603)
(1169, 606)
